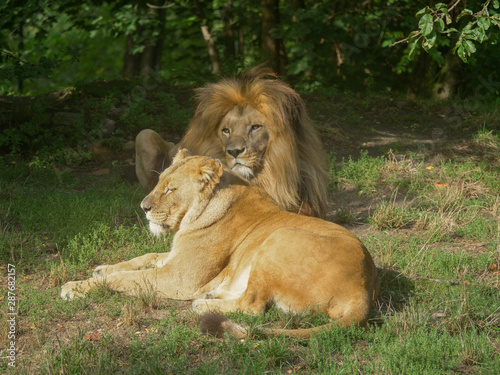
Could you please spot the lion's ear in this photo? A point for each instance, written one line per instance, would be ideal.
(181, 154)
(209, 173)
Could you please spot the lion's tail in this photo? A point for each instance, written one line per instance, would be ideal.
(217, 324)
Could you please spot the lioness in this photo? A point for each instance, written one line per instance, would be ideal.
(235, 249)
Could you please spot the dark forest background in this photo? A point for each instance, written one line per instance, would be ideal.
(48, 45)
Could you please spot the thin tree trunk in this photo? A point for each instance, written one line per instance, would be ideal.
(272, 48)
(228, 31)
(20, 85)
(209, 41)
(212, 52)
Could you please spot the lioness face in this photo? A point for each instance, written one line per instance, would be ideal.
(163, 208)
(178, 190)
(244, 135)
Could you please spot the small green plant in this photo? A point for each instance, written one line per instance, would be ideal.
(345, 216)
(363, 173)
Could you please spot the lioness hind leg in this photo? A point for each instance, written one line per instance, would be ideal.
(202, 306)
(153, 155)
(142, 262)
(241, 304)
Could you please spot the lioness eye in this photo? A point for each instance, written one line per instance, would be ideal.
(226, 131)
(255, 127)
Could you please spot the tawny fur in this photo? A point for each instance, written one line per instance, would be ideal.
(235, 249)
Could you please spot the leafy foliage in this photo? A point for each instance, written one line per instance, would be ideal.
(466, 29)
(49, 45)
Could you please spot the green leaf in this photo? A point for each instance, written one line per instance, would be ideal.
(450, 30)
(440, 25)
(479, 34)
(413, 48)
(469, 46)
(484, 23)
(496, 4)
(495, 20)
(440, 6)
(448, 19)
(461, 53)
(426, 24)
(423, 11)
(429, 41)
(465, 12)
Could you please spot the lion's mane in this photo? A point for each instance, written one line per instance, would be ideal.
(294, 168)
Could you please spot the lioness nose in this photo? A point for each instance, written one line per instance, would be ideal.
(234, 152)
(147, 203)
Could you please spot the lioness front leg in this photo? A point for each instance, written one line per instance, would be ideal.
(133, 283)
(75, 289)
(152, 260)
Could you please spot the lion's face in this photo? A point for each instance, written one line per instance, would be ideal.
(180, 189)
(245, 134)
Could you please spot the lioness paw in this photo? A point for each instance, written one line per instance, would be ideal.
(67, 292)
(202, 306)
(101, 271)
(71, 289)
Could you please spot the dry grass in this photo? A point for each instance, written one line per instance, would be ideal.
(391, 214)
(58, 273)
(446, 208)
(488, 144)
(130, 313)
(148, 295)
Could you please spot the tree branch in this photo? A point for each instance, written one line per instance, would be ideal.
(164, 6)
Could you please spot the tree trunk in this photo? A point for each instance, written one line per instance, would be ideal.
(21, 49)
(209, 41)
(448, 78)
(149, 59)
(228, 33)
(272, 48)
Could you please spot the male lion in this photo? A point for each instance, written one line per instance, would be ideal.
(235, 249)
(259, 127)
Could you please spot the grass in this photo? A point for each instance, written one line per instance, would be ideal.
(432, 230)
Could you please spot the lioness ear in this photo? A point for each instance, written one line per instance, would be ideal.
(209, 173)
(181, 154)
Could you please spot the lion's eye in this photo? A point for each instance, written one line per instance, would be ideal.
(226, 131)
(255, 127)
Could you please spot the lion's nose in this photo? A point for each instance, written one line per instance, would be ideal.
(235, 152)
(147, 204)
